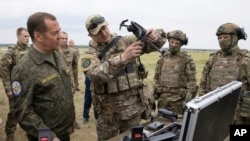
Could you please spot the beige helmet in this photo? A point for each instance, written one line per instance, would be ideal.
(231, 28)
(178, 34)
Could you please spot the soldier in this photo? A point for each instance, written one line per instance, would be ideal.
(175, 80)
(8, 61)
(111, 63)
(43, 99)
(76, 56)
(228, 64)
(68, 55)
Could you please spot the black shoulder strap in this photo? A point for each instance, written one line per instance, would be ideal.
(112, 43)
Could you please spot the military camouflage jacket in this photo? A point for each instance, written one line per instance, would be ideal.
(117, 85)
(42, 94)
(8, 61)
(102, 71)
(242, 70)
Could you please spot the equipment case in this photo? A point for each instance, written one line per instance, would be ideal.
(208, 118)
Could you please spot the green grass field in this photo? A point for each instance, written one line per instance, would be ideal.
(87, 131)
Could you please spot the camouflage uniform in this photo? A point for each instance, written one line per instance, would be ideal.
(175, 80)
(43, 99)
(71, 62)
(76, 56)
(116, 89)
(8, 61)
(223, 67)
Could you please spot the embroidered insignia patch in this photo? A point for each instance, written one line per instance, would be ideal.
(16, 88)
(86, 63)
(192, 65)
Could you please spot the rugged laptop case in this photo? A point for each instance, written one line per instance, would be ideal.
(208, 118)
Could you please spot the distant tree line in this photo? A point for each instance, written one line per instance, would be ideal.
(86, 46)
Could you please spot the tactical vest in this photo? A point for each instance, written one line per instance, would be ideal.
(126, 79)
(171, 72)
(227, 69)
(122, 91)
(224, 70)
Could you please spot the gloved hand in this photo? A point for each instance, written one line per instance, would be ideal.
(153, 106)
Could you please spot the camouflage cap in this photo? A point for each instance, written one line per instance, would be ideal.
(94, 23)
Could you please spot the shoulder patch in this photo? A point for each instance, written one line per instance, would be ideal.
(192, 65)
(16, 88)
(87, 62)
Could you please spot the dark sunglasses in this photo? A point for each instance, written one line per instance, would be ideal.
(96, 22)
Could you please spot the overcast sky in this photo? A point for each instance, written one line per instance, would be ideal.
(199, 19)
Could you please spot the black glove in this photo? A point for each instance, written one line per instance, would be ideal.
(153, 106)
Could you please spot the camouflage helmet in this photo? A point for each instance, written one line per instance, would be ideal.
(231, 28)
(178, 34)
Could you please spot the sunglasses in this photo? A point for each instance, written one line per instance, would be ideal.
(96, 22)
